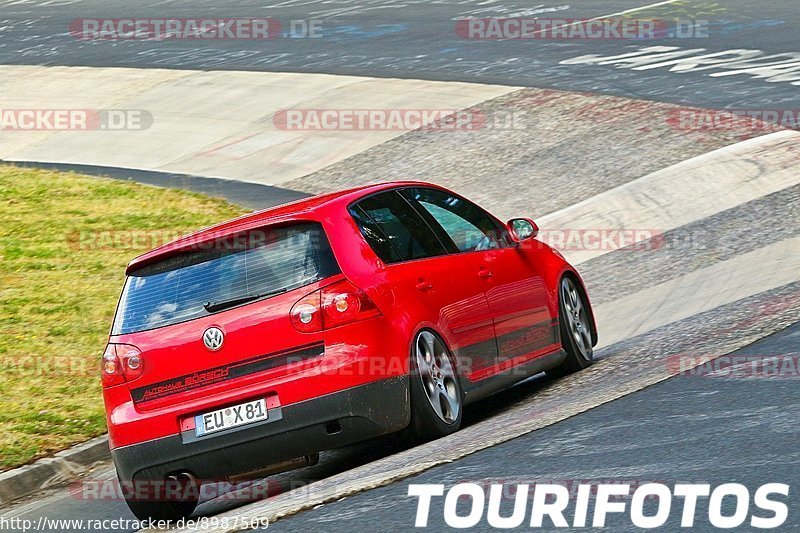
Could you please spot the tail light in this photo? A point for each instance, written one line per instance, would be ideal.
(343, 303)
(332, 306)
(121, 363)
(306, 314)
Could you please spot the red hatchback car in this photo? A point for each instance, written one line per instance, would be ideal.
(249, 347)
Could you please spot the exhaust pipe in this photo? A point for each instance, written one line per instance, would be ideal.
(187, 478)
(186, 481)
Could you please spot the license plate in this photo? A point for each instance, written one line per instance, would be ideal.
(230, 417)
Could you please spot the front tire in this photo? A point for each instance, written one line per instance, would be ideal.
(575, 328)
(436, 395)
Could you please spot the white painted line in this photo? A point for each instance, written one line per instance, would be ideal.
(215, 124)
(722, 283)
(642, 8)
(601, 17)
(686, 192)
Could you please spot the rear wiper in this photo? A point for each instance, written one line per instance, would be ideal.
(233, 302)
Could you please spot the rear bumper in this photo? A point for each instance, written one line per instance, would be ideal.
(292, 431)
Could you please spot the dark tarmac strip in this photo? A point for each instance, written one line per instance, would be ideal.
(689, 429)
(249, 195)
(418, 39)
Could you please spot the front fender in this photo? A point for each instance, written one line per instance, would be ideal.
(554, 267)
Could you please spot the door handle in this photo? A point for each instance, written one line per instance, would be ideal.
(485, 273)
(424, 286)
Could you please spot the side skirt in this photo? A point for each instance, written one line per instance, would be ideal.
(474, 391)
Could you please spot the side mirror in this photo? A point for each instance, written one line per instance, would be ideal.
(522, 229)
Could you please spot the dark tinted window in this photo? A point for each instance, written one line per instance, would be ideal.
(260, 262)
(394, 230)
(469, 226)
(375, 237)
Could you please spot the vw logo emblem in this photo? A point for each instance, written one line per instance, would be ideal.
(213, 338)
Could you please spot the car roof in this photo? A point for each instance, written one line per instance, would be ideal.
(296, 210)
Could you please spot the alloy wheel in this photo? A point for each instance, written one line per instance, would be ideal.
(438, 376)
(577, 320)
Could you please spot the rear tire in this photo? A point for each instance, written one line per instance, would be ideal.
(437, 401)
(575, 328)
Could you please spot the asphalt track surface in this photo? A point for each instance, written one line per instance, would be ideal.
(689, 429)
(417, 39)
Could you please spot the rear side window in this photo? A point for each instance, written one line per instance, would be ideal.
(394, 230)
(265, 261)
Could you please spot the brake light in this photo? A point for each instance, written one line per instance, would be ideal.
(343, 303)
(332, 306)
(121, 363)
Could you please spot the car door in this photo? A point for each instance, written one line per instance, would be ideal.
(421, 269)
(511, 281)
(517, 295)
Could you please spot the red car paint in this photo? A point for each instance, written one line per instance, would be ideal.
(495, 309)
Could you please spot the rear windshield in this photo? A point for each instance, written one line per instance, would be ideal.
(241, 266)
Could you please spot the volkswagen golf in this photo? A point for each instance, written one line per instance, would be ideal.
(247, 348)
